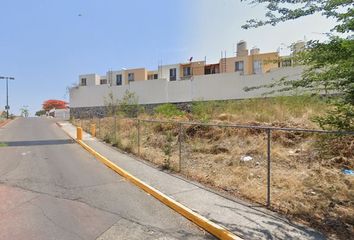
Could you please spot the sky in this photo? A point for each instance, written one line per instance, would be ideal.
(47, 44)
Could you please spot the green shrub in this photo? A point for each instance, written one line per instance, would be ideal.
(203, 111)
(168, 110)
(341, 117)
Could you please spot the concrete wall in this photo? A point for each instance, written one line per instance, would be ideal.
(63, 114)
(205, 87)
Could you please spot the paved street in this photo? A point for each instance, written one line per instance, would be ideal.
(50, 188)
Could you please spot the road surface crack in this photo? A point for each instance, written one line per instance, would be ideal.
(19, 205)
(53, 222)
(12, 170)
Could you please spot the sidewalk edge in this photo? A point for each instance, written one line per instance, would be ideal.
(201, 221)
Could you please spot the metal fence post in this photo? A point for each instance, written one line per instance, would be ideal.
(115, 128)
(268, 166)
(138, 137)
(99, 127)
(180, 147)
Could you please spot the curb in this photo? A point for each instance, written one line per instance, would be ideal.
(199, 220)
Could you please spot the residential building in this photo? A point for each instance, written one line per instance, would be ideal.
(169, 72)
(188, 70)
(227, 86)
(152, 75)
(245, 62)
(137, 74)
(212, 69)
(89, 80)
(116, 78)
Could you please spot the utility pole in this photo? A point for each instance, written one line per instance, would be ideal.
(7, 107)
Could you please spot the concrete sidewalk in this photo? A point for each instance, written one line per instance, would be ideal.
(237, 216)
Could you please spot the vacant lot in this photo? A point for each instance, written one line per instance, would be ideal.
(306, 179)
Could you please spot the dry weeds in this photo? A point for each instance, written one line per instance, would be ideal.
(306, 182)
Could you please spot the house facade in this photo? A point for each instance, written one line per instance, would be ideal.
(245, 62)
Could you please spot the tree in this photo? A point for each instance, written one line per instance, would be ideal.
(57, 104)
(24, 111)
(111, 104)
(40, 113)
(330, 64)
(127, 106)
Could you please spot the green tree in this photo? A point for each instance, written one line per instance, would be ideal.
(330, 64)
(40, 113)
(24, 111)
(128, 105)
(111, 104)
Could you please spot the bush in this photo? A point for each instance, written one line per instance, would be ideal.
(128, 106)
(203, 111)
(41, 113)
(168, 110)
(341, 117)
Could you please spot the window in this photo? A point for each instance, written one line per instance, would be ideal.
(119, 79)
(153, 76)
(103, 81)
(239, 66)
(130, 77)
(257, 66)
(83, 82)
(212, 69)
(173, 74)
(187, 71)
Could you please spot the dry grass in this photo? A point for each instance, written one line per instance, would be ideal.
(307, 183)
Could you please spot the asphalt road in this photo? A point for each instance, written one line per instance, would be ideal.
(50, 188)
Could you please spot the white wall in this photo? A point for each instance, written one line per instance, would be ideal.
(62, 114)
(205, 87)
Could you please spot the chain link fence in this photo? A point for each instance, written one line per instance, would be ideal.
(296, 171)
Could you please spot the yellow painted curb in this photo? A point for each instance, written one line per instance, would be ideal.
(201, 221)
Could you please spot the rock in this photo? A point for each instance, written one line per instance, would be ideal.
(294, 152)
(246, 158)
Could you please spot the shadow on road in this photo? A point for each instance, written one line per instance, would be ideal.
(38, 143)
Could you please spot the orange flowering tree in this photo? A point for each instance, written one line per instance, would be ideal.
(57, 104)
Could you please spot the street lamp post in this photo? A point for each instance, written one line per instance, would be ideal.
(7, 107)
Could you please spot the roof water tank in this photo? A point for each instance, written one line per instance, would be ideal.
(242, 48)
(299, 46)
(255, 51)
